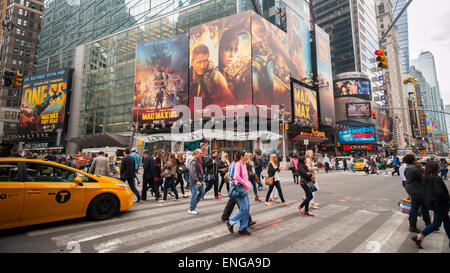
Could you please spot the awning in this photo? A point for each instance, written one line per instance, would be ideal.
(212, 134)
(311, 139)
(100, 140)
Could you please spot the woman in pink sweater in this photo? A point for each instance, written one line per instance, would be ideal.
(241, 177)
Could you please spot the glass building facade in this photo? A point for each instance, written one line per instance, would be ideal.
(403, 35)
(69, 23)
(109, 63)
(426, 64)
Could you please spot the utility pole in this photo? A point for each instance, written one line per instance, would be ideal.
(395, 21)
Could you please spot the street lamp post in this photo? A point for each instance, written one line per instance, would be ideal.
(284, 137)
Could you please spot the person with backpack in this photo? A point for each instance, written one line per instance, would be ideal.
(293, 166)
(240, 178)
(232, 202)
(211, 173)
(436, 197)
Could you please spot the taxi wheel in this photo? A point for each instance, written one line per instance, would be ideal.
(103, 207)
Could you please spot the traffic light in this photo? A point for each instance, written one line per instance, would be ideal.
(374, 114)
(381, 59)
(8, 78)
(18, 80)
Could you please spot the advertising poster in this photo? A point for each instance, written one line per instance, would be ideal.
(299, 48)
(365, 134)
(359, 110)
(305, 106)
(270, 64)
(220, 62)
(160, 80)
(384, 128)
(352, 88)
(43, 106)
(325, 77)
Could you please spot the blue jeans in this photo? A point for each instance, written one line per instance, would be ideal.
(258, 173)
(437, 222)
(444, 173)
(308, 199)
(196, 195)
(241, 215)
(352, 167)
(170, 183)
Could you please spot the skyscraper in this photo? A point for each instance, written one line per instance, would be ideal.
(403, 33)
(426, 64)
(20, 42)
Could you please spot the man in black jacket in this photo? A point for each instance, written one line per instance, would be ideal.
(212, 173)
(148, 177)
(258, 167)
(128, 173)
(414, 187)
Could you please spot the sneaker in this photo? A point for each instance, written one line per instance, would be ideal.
(309, 214)
(301, 211)
(193, 212)
(252, 223)
(229, 226)
(257, 199)
(176, 199)
(267, 204)
(162, 201)
(285, 204)
(244, 232)
(217, 198)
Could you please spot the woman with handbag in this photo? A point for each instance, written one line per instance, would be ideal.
(305, 179)
(251, 174)
(181, 169)
(436, 197)
(311, 167)
(273, 180)
(223, 166)
(170, 175)
(239, 190)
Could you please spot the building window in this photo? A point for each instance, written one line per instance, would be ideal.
(14, 61)
(10, 92)
(20, 11)
(8, 103)
(16, 50)
(14, 115)
(7, 115)
(19, 21)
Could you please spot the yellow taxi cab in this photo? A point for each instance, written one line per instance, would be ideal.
(36, 191)
(359, 164)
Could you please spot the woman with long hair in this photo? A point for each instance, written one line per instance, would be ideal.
(169, 174)
(241, 177)
(312, 169)
(251, 174)
(305, 178)
(437, 198)
(181, 169)
(223, 165)
(273, 171)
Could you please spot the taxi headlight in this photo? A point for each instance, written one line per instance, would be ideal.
(122, 185)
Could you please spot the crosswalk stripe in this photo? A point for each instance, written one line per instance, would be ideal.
(325, 239)
(388, 238)
(177, 244)
(139, 222)
(137, 212)
(254, 242)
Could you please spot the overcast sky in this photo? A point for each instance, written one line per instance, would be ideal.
(429, 30)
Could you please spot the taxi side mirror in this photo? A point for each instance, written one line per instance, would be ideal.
(79, 180)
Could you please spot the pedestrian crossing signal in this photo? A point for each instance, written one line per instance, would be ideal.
(381, 59)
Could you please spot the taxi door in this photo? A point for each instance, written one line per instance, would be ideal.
(51, 192)
(11, 193)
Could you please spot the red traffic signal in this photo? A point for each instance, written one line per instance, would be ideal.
(381, 59)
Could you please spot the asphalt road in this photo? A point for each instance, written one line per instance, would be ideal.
(358, 214)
